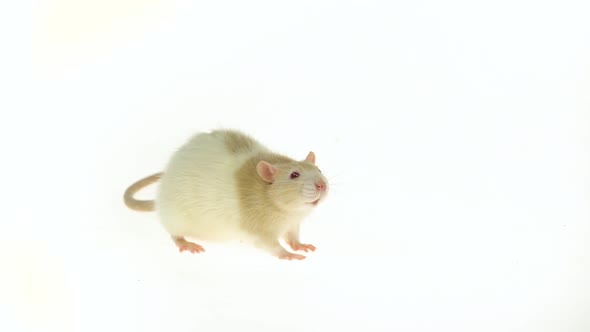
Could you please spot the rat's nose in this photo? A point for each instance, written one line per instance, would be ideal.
(320, 185)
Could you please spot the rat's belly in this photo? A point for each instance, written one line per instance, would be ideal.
(197, 196)
(209, 215)
(214, 226)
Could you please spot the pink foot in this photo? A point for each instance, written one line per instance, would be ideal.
(192, 247)
(291, 256)
(184, 245)
(301, 247)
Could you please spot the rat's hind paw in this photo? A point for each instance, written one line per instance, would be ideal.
(192, 247)
(291, 256)
(184, 245)
(301, 247)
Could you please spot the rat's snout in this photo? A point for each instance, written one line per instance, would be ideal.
(320, 185)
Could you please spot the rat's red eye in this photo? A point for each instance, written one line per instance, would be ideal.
(294, 175)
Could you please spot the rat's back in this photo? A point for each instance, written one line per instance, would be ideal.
(197, 194)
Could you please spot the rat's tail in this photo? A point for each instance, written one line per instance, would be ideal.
(139, 205)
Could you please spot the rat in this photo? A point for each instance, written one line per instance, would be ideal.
(224, 185)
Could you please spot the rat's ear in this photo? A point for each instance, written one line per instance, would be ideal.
(266, 171)
(310, 157)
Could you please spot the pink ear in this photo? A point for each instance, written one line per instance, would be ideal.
(310, 157)
(266, 171)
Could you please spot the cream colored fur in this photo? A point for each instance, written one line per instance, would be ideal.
(212, 190)
(197, 194)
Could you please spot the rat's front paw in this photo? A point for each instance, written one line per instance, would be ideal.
(301, 247)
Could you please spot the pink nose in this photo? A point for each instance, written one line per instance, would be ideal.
(321, 185)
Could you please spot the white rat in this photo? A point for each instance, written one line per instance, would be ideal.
(226, 186)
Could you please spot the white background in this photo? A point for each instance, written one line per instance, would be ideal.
(455, 135)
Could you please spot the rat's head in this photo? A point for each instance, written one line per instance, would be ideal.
(294, 185)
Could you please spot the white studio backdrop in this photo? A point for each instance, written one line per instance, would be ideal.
(455, 135)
